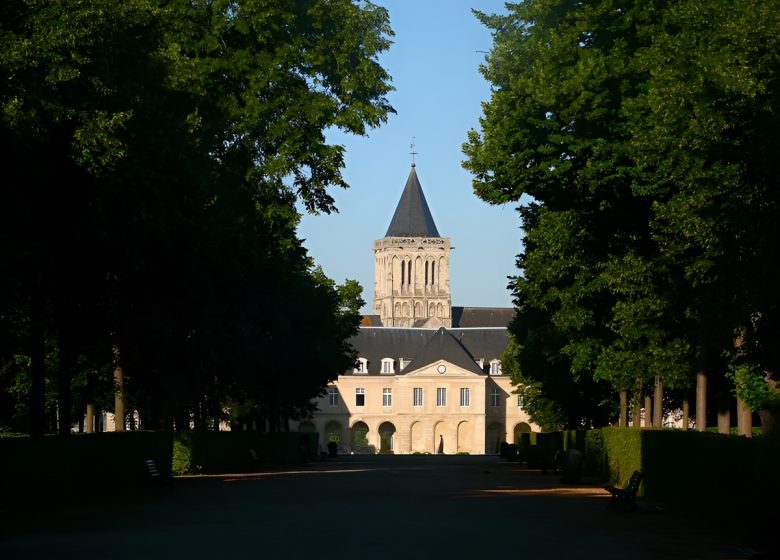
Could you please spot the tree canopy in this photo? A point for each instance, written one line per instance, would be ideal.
(155, 152)
(640, 136)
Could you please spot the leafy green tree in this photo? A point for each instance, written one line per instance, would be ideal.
(648, 238)
(184, 132)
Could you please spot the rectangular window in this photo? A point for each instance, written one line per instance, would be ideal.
(387, 366)
(333, 396)
(519, 400)
(418, 396)
(495, 394)
(360, 397)
(387, 397)
(441, 396)
(465, 396)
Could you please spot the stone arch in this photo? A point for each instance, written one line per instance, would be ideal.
(521, 428)
(440, 439)
(395, 275)
(495, 434)
(440, 310)
(417, 437)
(386, 437)
(333, 432)
(405, 309)
(432, 310)
(360, 437)
(397, 309)
(418, 310)
(465, 436)
(418, 271)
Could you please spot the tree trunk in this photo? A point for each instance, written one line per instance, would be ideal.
(724, 420)
(623, 422)
(119, 399)
(90, 418)
(686, 413)
(648, 412)
(636, 418)
(745, 419)
(701, 401)
(658, 403)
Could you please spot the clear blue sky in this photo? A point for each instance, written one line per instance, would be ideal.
(434, 64)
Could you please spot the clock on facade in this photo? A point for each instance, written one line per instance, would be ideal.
(442, 368)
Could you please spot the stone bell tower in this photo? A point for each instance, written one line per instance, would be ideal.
(412, 266)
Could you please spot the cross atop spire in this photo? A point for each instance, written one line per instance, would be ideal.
(413, 153)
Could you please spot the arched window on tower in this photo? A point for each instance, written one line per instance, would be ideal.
(426, 273)
(403, 274)
(433, 273)
(409, 272)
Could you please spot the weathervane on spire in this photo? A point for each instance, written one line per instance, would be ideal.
(413, 153)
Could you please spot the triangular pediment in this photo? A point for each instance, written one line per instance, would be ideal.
(442, 369)
(443, 348)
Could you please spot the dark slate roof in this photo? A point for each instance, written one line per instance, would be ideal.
(443, 346)
(482, 316)
(375, 343)
(412, 216)
(371, 321)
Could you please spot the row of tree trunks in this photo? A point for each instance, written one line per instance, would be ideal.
(654, 414)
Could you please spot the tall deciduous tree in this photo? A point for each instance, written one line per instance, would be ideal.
(622, 123)
(156, 150)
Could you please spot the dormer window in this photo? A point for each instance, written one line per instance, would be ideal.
(362, 366)
(495, 367)
(387, 365)
(402, 363)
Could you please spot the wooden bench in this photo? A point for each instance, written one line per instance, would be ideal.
(154, 474)
(625, 498)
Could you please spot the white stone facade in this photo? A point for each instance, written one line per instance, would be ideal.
(475, 416)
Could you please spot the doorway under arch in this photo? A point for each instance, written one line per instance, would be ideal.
(418, 438)
(465, 436)
(360, 438)
(333, 432)
(440, 441)
(494, 436)
(386, 437)
(521, 428)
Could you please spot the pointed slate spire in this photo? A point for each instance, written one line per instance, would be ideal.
(412, 216)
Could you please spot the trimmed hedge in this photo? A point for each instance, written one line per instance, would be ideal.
(226, 452)
(706, 469)
(80, 464)
(690, 469)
